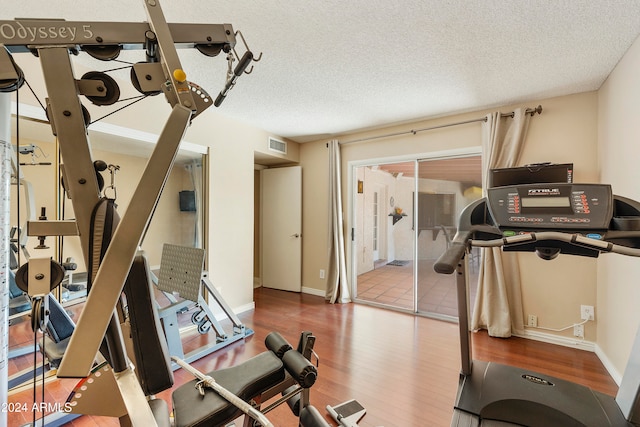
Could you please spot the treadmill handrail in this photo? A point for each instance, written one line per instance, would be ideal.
(449, 260)
(571, 238)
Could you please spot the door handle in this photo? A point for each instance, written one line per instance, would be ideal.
(296, 235)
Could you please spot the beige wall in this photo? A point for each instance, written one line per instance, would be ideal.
(618, 152)
(565, 132)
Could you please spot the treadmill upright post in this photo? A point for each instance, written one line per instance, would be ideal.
(463, 316)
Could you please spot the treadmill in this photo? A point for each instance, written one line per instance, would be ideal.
(549, 219)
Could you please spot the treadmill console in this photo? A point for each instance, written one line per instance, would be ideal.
(550, 206)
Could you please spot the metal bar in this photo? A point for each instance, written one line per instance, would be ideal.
(222, 303)
(21, 33)
(221, 335)
(226, 394)
(466, 355)
(52, 228)
(65, 113)
(531, 111)
(5, 227)
(169, 319)
(169, 57)
(138, 409)
(116, 263)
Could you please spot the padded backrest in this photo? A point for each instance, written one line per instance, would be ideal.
(14, 290)
(13, 260)
(153, 364)
(60, 325)
(104, 220)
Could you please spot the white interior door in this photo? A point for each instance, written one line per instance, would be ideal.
(281, 201)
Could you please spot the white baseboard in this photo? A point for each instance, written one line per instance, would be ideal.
(257, 282)
(313, 291)
(617, 377)
(559, 340)
(244, 308)
(220, 315)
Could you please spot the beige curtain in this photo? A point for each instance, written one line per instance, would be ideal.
(498, 306)
(337, 283)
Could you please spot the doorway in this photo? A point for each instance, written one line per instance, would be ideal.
(277, 224)
(420, 201)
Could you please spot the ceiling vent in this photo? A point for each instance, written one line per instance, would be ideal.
(279, 146)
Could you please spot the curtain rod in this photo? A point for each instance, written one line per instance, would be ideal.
(531, 111)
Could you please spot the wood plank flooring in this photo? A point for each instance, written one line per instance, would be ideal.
(403, 369)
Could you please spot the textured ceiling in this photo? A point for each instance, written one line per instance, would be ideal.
(332, 66)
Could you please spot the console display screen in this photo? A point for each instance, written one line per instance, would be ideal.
(545, 202)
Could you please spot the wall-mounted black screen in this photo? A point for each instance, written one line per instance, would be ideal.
(187, 201)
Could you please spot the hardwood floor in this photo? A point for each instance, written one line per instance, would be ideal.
(402, 368)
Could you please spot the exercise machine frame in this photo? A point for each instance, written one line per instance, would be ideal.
(65, 113)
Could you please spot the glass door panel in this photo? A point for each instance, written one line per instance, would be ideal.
(384, 236)
(444, 188)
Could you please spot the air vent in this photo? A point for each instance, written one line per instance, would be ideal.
(279, 146)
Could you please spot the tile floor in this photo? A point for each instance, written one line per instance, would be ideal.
(393, 285)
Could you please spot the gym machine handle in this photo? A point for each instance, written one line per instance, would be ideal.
(242, 65)
(449, 260)
(208, 381)
(299, 367)
(277, 344)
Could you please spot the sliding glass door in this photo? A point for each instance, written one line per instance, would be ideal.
(405, 215)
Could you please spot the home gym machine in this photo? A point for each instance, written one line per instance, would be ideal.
(189, 288)
(549, 219)
(120, 388)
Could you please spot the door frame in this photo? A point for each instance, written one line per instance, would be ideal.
(352, 165)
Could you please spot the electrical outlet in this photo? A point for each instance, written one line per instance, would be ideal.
(532, 321)
(578, 331)
(322, 274)
(587, 312)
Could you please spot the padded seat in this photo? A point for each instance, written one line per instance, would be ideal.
(246, 381)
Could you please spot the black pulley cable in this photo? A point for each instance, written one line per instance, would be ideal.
(140, 98)
(35, 363)
(39, 316)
